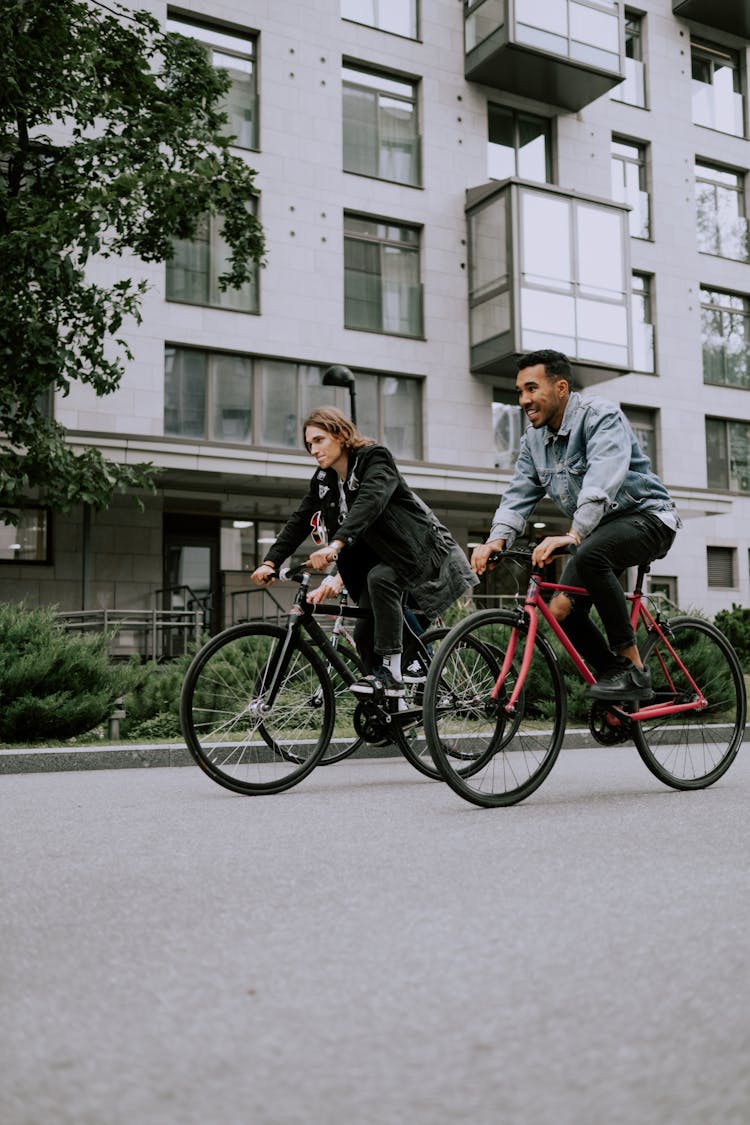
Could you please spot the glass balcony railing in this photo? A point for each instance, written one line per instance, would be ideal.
(643, 347)
(633, 90)
(718, 109)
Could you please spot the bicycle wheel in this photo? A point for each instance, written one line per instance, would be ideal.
(345, 740)
(693, 749)
(487, 756)
(409, 733)
(239, 738)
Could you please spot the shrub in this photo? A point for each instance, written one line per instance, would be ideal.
(53, 684)
(735, 625)
(152, 705)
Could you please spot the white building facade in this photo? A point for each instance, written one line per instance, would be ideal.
(443, 186)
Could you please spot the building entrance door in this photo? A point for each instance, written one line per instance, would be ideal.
(191, 554)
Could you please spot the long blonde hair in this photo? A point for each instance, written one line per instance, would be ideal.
(334, 422)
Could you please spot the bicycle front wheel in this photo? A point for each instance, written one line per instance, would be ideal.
(487, 756)
(257, 716)
(692, 749)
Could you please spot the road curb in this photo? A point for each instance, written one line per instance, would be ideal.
(116, 756)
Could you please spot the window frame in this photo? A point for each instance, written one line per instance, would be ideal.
(517, 115)
(702, 170)
(731, 481)
(713, 306)
(47, 558)
(414, 100)
(729, 554)
(242, 35)
(715, 56)
(383, 243)
(386, 30)
(644, 297)
(634, 24)
(213, 272)
(640, 160)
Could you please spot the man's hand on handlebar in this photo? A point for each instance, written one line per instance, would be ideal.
(480, 555)
(264, 575)
(550, 546)
(324, 556)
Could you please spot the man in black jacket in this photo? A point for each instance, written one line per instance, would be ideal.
(384, 540)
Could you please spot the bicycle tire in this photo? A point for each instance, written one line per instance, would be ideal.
(693, 749)
(508, 756)
(233, 736)
(345, 741)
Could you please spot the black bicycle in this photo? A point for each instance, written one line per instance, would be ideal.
(263, 704)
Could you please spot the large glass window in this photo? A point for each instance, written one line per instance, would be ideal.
(194, 270)
(728, 454)
(253, 400)
(633, 89)
(717, 89)
(720, 211)
(725, 331)
(381, 127)
(397, 16)
(518, 145)
(630, 183)
(27, 540)
(235, 53)
(644, 345)
(382, 290)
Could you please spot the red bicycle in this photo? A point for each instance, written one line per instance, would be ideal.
(495, 704)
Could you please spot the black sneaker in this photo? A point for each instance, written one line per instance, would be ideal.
(381, 682)
(623, 682)
(414, 673)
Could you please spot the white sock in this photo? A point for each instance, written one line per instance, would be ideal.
(393, 663)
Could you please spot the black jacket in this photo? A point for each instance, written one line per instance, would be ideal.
(385, 522)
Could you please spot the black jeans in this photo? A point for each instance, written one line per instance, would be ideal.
(382, 593)
(603, 556)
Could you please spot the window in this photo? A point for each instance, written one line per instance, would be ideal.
(725, 318)
(721, 565)
(728, 454)
(588, 32)
(643, 423)
(254, 400)
(630, 183)
(397, 16)
(717, 89)
(664, 587)
(633, 89)
(28, 540)
(507, 428)
(382, 290)
(194, 270)
(518, 145)
(381, 127)
(720, 211)
(644, 351)
(235, 53)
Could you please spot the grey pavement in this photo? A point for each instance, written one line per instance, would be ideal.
(368, 949)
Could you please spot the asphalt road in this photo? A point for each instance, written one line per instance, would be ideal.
(368, 949)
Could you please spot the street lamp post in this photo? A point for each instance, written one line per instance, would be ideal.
(339, 376)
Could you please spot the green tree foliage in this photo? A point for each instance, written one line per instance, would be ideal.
(53, 685)
(735, 625)
(110, 144)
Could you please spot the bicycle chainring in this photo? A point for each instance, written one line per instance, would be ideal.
(607, 728)
(370, 723)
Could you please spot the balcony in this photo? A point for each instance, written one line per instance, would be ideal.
(727, 15)
(567, 53)
(548, 269)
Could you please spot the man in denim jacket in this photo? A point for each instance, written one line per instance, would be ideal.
(582, 453)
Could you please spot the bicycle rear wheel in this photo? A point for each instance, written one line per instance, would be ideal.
(239, 738)
(487, 756)
(693, 749)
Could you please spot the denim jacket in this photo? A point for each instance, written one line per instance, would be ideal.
(593, 468)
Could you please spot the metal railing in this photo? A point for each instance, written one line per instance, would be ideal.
(138, 632)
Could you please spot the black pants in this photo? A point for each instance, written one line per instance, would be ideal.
(393, 624)
(603, 556)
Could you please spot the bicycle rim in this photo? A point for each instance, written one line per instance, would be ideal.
(693, 749)
(487, 756)
(239, 738)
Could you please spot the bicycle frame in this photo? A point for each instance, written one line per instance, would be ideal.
(534, 605)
